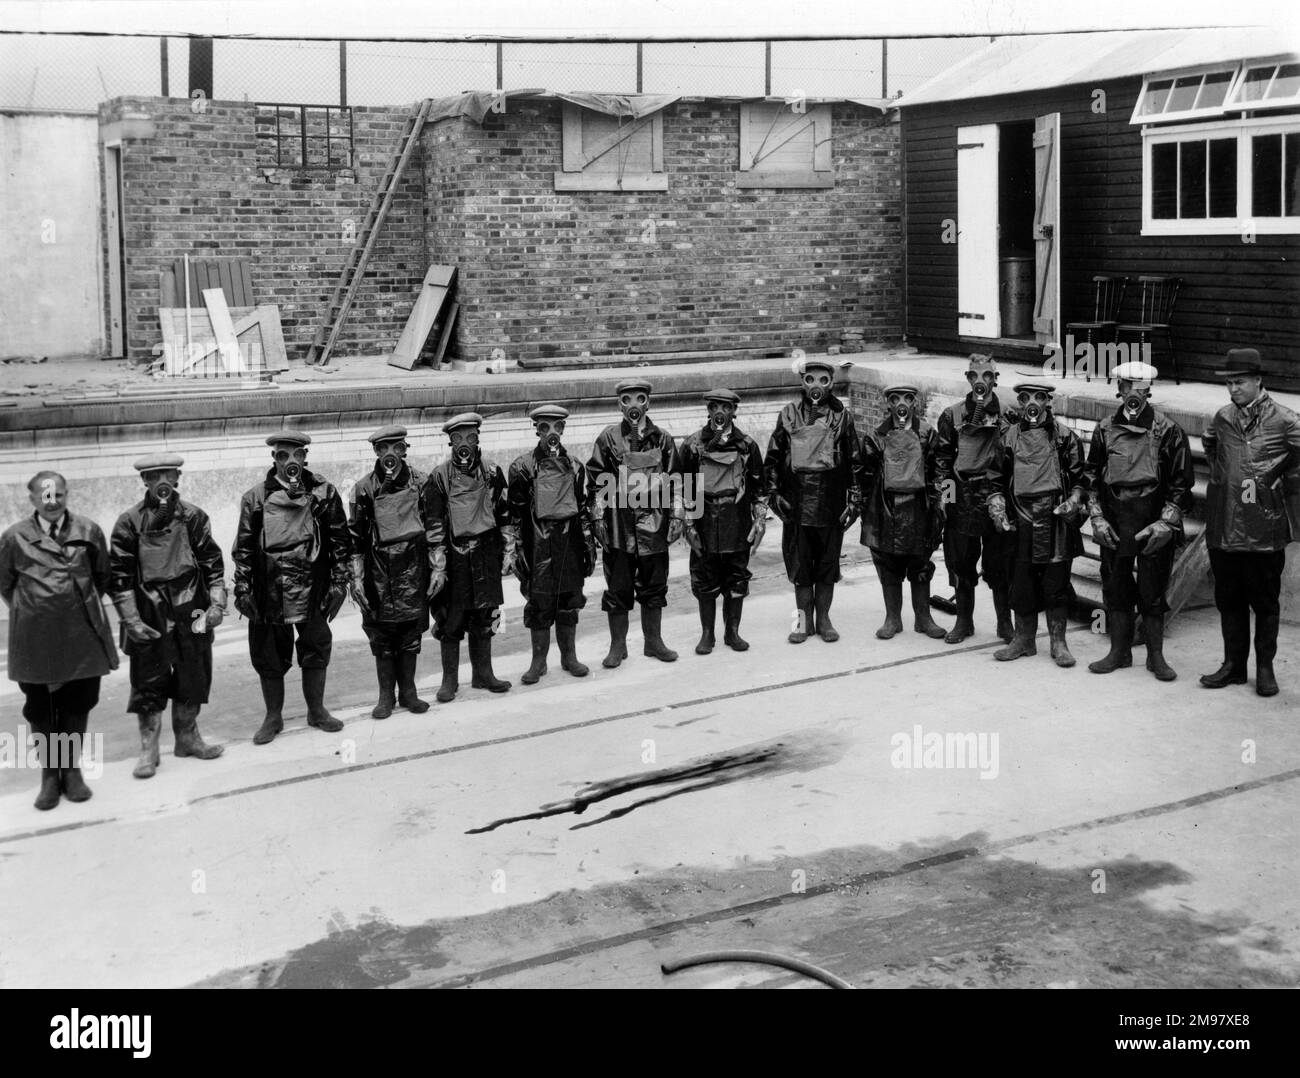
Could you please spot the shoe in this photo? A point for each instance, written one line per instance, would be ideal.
(407, 695)
(923, 623)
(651, 624)
(150, 729)
(803, 603)
(1226, 675)
(74, 786)
(1154, 624)
(480, 661)
(893, 624)
(541, 645)
(189, 742)
(48, 796)
(450, 650)
(1266, 626)
(1057, 622)
(1002, 608)
(708, 622)
(313, 691)
(964, 626)
(617, 639)
(1120, 655)
(567, 637)
(823, 596)
(732, 608)
(1265, 682)
(1023, 641)
(386, 672)
(273, 724)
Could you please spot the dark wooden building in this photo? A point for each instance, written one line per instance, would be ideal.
(1040, 163)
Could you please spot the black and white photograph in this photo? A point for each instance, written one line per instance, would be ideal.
(649, 496)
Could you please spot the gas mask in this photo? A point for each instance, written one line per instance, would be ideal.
(720, 415)
(981, 388)
(290, 462)
(464, 448)
(162, 485)
(1034, 407)
(1134, 394)
(634, 406)
(817, 385)
(549, 433)
(901, 408)
(391, 454)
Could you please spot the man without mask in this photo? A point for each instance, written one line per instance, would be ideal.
(395, 566)
(169, 588)
(970, 435)
(470, 517)
(728, 466)
(811, 464)
(635, 476)
(902, 517)
(556, 551)
(1039, 486)
(1140, 475)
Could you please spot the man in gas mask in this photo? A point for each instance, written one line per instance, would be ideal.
(169, 588)
(812, 486)
(970, 434)
(1252, 510)
(470, 516)
(556, 549)
(1140, 478)
(730, 517)
(393, 568)
(634, 496)
(292, 559)
(1040, 484)
(902, 515)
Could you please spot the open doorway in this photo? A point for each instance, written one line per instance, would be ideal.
(1016, 229)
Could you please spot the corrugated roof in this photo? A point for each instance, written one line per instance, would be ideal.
(1014, 65)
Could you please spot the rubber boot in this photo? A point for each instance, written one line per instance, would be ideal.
(1266, 626)
(964, 626)
(74, 786)
(1022, 643)
(189, 742)
(651, 624)
(1057, 621)
(1235, 627)
(1002, 608)
(386, 672)
(313, 691)
(480, 661)
(823, 596)
(273, 696)
(450, 650)
(893, 624)
(923, 623)
(617, 639)
(708, 622)
(541, 645)
(803, 602)
(407, 695)
(49, 793)
(150, 729)
(567, 637)
(1154, 625)
(1121, 643)
(732, 607)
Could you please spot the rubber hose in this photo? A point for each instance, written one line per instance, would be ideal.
(766, 958)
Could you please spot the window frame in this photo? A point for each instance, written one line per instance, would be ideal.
(572, 175)
(1232, 104)
(1234, 70)
(820, 172)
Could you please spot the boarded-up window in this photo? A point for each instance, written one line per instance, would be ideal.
(780, 147)
(611, 153)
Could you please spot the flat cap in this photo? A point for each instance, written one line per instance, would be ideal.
(465, 419)
(902, 387)
(1036, 387)
(289, 437)
(1241, 361)
(723, 396)
(157, 462)
(1136, 371)
(387, 434)
(631, 385)
(813, 363)
(548, 411)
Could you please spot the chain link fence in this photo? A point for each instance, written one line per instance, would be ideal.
(76, 73)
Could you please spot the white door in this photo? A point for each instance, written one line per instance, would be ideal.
(977, 232)
(1047, 243)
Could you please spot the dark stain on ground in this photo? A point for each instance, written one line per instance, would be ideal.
(941, 916)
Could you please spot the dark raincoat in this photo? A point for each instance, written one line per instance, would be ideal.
(58, 631)
(392, 530)
(811, 462)
(966, 454)
(466, 515)
(728, 477)
(900, 507)
(1037, 470)
(548, 506)
(641, 481)
(290, 550)
(1253, 500)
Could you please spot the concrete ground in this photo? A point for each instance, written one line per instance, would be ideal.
(1115, 832)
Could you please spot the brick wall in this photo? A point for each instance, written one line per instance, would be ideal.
(700, 266)
(207, 185)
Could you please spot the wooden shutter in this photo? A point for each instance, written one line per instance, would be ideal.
(1047, 248)
(611, 153)
(783, 148)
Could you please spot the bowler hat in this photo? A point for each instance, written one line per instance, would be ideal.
(1241, 361)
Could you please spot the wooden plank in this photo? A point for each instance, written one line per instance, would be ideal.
(225, 268)
(438, 283)
(250, 324)
(166, 288)
(224, 329)
(246, 284)
(445, 335)
(273, 350)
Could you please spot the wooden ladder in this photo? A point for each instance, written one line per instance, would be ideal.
(354, 267)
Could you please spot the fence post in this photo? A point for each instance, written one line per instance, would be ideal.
(638, 67)
(343, 74)
(162, 56)
(201, 75)
(500, 67)
(767, 69)
(884, 67)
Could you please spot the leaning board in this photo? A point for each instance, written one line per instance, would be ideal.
(428, 304)
(256, 328)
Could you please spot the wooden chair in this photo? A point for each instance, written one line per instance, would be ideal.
(1155, 316)
(1107, 299)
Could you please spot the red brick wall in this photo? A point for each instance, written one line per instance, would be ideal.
(199, 185)
(545, 273)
